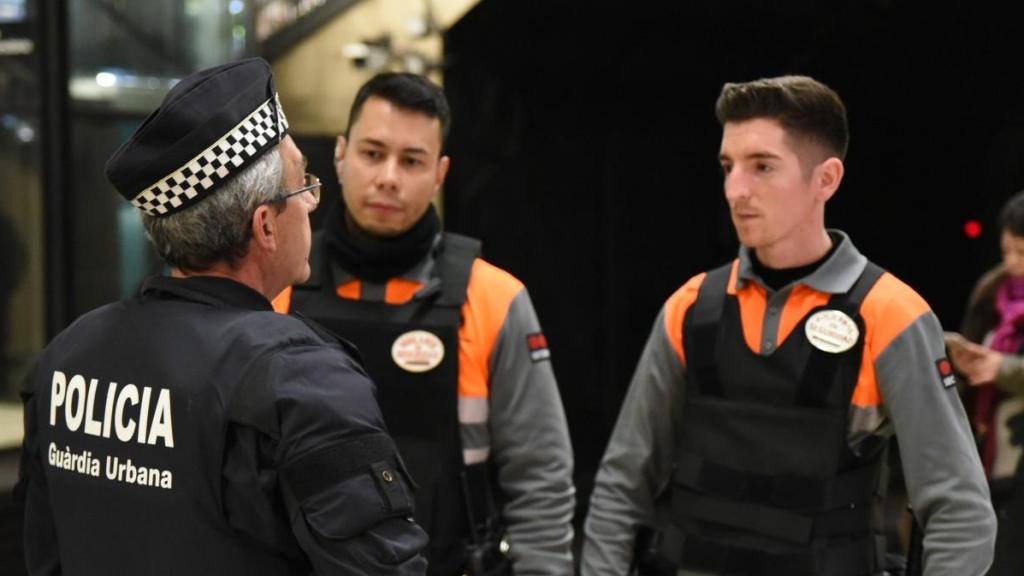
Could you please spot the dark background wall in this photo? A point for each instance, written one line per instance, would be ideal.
(584, 153)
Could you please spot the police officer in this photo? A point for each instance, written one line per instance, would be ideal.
(462, 367)
(191, 429)
(754, 430)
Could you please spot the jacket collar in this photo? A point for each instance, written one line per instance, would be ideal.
(212, 290)
(835, 275)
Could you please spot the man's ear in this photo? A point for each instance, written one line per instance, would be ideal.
(264, 228)
(829, 174)
(340, 147)
(442, 172)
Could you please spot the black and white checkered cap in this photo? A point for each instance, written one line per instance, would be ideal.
(210, 127)
(216, 163)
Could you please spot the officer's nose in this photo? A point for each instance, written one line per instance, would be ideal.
(737, 187)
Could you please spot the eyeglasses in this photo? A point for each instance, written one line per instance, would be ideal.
(310, 183)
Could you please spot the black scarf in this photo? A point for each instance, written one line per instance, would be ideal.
(378, 259)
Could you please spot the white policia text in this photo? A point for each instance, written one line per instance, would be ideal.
(79, 402)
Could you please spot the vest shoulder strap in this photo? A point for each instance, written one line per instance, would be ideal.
(454, 265)
(700, 331)
(854, 297)
(822, 365)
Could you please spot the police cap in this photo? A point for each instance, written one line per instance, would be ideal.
(208, 128)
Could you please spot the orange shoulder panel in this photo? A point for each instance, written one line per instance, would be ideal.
(488, 297)
(400, 290)
(282, 303)
(679, 303)
(675, 312)
(889, 308)
(753, 301)
(351, 290)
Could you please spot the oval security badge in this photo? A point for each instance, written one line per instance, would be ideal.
(832, 331)
(417, 351)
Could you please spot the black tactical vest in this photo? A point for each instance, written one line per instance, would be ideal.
(764, 481)
(420, 408)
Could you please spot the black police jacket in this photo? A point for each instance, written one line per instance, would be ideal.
(192, 430)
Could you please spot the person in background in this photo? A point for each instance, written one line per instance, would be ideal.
(990, 355)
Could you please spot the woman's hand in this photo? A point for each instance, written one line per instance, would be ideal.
(980, 365)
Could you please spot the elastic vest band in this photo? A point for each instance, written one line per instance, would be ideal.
(845, 558)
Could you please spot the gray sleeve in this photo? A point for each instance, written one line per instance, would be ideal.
(638, 460)
(943, 472)
(531, 449)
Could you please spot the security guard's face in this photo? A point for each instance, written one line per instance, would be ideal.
(776, 202)
(391, 167)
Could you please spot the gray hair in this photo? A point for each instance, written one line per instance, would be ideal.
(220, 226)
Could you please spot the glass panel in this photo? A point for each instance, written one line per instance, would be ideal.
(22, 256)
(12, 11)
(124, 56)
(22, 332)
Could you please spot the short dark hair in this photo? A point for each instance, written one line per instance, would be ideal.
(803, 106)
(407, 91)
(1011, 217)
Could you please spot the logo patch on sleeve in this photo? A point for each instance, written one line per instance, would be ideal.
(946, 374)
(537, 344)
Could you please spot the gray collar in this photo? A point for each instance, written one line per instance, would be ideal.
(835, 276)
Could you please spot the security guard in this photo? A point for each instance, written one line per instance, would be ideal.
(754, 431)
(462, 367)
(191, 429)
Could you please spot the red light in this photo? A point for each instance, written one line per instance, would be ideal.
(972, 229)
